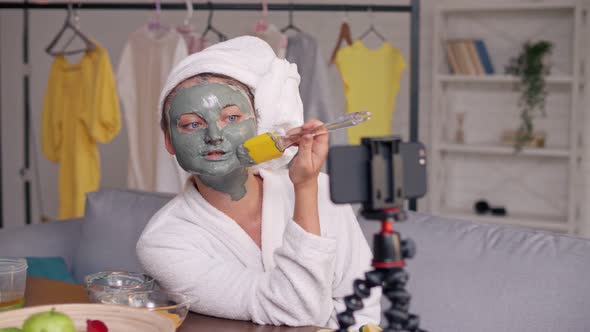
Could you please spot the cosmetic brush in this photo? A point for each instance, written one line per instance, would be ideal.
(268, 146)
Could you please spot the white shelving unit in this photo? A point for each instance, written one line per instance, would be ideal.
(551, 223)
(481, 167)
(445, 78)
(502, 150)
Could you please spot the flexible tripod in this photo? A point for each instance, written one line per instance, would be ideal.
(388, 262)
(386, 203)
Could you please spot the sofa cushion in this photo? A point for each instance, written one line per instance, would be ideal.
(52, 239)
(113, 222)
(49, 267)
(475, 277)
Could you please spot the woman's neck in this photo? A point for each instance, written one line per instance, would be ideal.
(235, 192)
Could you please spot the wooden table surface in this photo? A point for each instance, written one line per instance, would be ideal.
(42, 291)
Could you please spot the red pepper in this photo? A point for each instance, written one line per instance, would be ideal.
(96, 326)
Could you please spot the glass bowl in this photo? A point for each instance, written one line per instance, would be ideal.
(175, 306)
(111, 282)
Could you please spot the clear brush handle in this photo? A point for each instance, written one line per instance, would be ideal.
(348, 120)
(345, 121)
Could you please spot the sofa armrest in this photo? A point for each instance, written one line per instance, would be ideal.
(58, 238)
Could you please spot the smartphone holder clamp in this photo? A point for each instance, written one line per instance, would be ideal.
(386, 204)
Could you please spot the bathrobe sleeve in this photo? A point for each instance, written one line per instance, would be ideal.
(296, 292)
(354, 259)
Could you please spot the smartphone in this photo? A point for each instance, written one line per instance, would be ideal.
(349, 168)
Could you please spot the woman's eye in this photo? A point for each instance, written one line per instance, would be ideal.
(190, 122)
(233, 118)
(191, 125)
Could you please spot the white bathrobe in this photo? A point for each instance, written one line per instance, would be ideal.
(296, 279)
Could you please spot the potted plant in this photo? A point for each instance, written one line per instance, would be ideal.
(532, 66)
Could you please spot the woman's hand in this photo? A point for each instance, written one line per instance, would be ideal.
(303, 172)
(308, 162)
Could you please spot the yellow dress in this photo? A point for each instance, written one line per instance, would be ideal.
(81, 108)
(371, 79)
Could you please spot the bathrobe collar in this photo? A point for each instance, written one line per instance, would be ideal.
(277, 210)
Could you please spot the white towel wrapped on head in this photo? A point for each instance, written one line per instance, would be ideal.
(274, 83)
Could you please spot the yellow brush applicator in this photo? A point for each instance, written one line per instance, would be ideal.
(268, 146)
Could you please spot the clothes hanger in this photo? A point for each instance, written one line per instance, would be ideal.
(261, 25)
(89, 45)
(77, 25)
(211, 28)
(189, 12)
(344, 35)
(187, 25)
(271, 33)
(155, 22)
(290, 26)
(371, 29)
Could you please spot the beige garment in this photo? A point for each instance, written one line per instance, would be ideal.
(275, 38)
(192, 38)
(146, 61)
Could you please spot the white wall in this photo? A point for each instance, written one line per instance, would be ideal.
(111, 28)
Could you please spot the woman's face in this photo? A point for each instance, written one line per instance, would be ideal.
(208, 122)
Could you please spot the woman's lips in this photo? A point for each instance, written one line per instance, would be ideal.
(214, 155)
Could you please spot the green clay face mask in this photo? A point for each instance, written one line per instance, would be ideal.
(208, 124)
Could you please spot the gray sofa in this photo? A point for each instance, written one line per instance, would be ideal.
(465, 277)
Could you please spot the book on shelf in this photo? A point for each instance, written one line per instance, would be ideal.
(468, 57)
(474, 57)
(465, 58)
(452, 59)
(484, 56)
(459, 52)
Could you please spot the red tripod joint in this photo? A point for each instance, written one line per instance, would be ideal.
(386, 265)
(387, 227)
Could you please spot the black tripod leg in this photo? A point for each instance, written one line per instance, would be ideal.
(362, 290)
(398, 317)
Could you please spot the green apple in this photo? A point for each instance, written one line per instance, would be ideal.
(11, 329)
(49, 321)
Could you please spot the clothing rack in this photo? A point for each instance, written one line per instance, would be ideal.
(413, 9)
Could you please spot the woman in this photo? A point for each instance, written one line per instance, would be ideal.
(259, 243)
